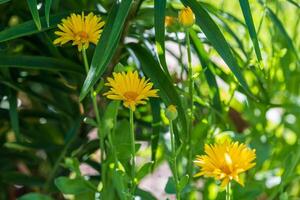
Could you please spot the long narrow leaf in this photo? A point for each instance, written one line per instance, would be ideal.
(39, 63)
(217, 39)
(283, 32)
(32, 4)
(167, 91)
(249, 21)
(28, 28)
(159, 25)
(107, 44)
(48, 4)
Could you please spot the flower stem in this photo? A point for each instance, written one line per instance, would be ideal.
(132, 152)
(228, 195)
(173, 160)
(98, 121)
(191, 91)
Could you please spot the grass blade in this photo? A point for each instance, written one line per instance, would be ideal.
(251, 28)
(28, 28)
(159, 25)
(155, 110)
(283, 32)
(217, 39)
(39, 63)
(166, 89)
(210, 77)
(107, 44)
(48, 4)
(32, 4)
(4, 1)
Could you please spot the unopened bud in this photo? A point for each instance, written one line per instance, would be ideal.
(171, 112)
(186, 17)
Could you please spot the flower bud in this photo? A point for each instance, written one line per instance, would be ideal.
(186, 17)
(169, 21)
(171, 112)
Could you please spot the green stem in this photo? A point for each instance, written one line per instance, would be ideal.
(132, 152)
(180, 56)
(191, 114)
(96, 110)
(174, 160)
(228, 195)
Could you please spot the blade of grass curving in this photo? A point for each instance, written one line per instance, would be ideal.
(251, 28)
(107, 44)
(210, 77)
(294, 3)
(167, 91)
(283, 32)
(29, 28)
(214, 35)
(32, 4)
(159, 26)
(48, 4)
(156, 119)
(39, 63)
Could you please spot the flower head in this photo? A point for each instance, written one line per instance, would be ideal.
(225, 161)
(171, 112)
(186, 17)
(81, 30)
(129, 88)
(169, 21)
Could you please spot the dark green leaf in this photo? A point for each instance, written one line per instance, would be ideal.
(48, 4)
(166, 89)
(183, 182)
(170, 186)
(145, 169)
(32, 4)
(28, 28)
(217, 39)
(107, 44)
(72, 186)
(4, 1)
(39, 63)
(251, 28)
(156, 119)
(159, 25)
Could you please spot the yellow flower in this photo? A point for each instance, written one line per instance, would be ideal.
(80, 29)
(169, 21)
(129, 88)
(225, 161)
(186, 17)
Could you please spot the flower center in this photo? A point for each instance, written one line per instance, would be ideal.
(131, 96)
(82, 35)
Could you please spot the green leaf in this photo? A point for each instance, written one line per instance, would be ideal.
(251, 28)
(107, 45)
(73, 186)
(145, 169)
(32, 4)
(170, 187)
(110, 116)
(122, 141)
(39, 63)
(48, 4)
(156, 127)
(159, 25)
(166, 89)
(34, 196)
(29, 28)
(283, 32)
(183, 182)
(206, 64)
(144, 194)
(216, 38)
(294, 3)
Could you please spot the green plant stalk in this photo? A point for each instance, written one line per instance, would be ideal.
(174, 160)
(101, 138)
(180, 56)
(132, 152)
(228, 195)
(191, 92)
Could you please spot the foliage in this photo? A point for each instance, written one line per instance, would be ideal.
(246, 68)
